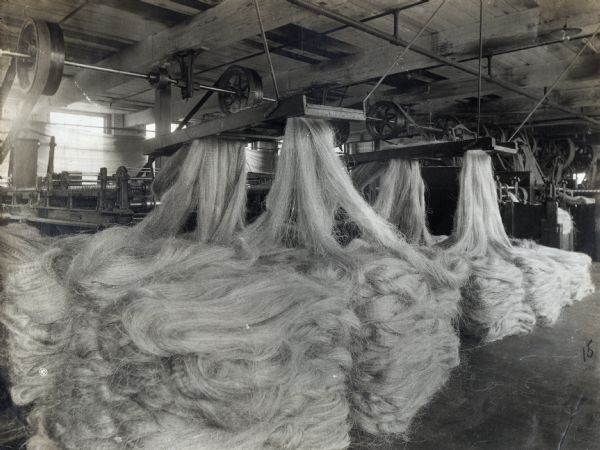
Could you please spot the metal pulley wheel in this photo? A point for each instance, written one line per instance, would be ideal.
(247, 85)
(42, 72)
(385, 120)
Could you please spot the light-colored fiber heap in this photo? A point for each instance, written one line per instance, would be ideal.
(197, 346)
(18, 244)
(571, 271)
(565, 220)
(405, 300)
(493, 298)
(494, 303)
(401, 198)
(33, 308)
(177, 343)
(281, 338)
(511, 287)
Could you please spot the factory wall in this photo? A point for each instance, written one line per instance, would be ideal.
(82, 148)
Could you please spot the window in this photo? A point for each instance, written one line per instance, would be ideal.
(88, 123)
(579, 177)
(151, 129)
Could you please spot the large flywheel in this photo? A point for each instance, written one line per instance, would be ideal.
(41, 73)
(385, 120)
(246, 85)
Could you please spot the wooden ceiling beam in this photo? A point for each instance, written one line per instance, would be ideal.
(225, 24)
(513, 107)
(455, 43)
(521, 28)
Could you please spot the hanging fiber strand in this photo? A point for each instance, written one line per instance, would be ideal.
(401, 198)
(406, 302)
(511, 287)
(207, 176)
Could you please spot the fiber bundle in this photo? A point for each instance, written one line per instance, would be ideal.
(172, 341)
(207, 176)
(565, 220)
(199, 346)
(494, 301)
(401, 198)
(511, 287)
(405, 299)
(18, 244)
(278, 337)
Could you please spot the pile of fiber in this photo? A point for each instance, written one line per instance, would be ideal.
(278, 337)
(493, 298)
(565, 220)
(406, 300)
(512, 286)
(557, 277)
(160, 339)
(30, 303)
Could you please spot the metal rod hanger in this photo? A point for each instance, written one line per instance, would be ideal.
(549, 90)
(479, 67)
(401, 55)
(429, 54)
(145, 76)
(267, 52)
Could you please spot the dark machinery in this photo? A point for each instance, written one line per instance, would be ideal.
(70, 199)
(385, 120)
(112, 199)
(388, 120)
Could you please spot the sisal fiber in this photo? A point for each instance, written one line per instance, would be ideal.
(18, 244)
(494, 304)
(512, 287)
(174, 341)
(565, 220)
(405, 299)
(279, 336)
(401, 198)
(207, 176)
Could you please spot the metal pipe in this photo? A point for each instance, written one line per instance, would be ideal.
(14, 54)
(266, 45)
(479, 65)
(9, 53)
(396, 15)
(401, 55)
(548, 91)
(204, 87)
(445, 61)
(106, 69)
(326, 32)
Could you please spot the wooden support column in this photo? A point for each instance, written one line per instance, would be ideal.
(162, 110)
(162, 115)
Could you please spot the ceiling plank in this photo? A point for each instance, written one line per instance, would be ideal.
(510, 31)
(225, 24)
(371, 63)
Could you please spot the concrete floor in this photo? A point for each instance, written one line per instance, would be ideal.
(528, 392)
